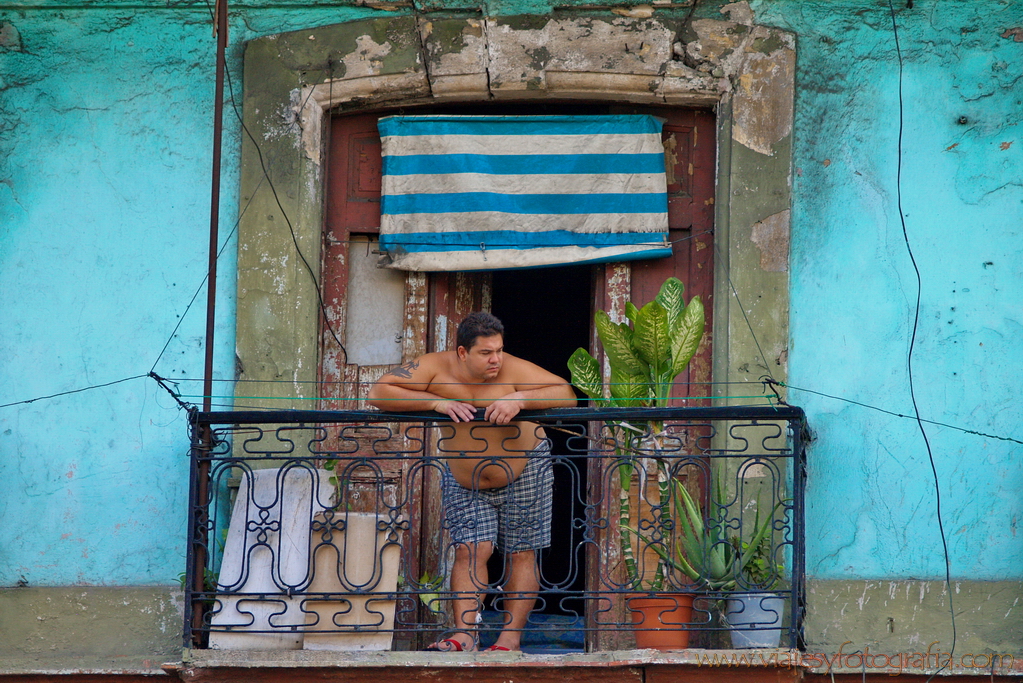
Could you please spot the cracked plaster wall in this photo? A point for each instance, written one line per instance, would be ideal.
(104, 195)
(104, 143)
(854, 289)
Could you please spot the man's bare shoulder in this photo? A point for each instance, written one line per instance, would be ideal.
(420, 370)
(517, 369)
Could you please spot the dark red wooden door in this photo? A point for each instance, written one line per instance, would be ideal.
(690, 154)
(435, 304)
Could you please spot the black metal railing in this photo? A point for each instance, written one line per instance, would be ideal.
(326, 529)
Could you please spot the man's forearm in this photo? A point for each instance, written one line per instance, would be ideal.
(551, 396)
(388, 397)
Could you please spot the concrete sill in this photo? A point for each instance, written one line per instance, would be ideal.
(295, 659)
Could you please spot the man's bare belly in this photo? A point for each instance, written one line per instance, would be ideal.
(484, 456)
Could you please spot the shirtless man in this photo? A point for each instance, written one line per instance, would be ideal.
(497, 484)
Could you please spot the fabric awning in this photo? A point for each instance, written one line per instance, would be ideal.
(494, 192)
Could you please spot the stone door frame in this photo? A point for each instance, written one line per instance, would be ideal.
(294, 81)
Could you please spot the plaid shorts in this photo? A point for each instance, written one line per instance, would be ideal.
(515, 517)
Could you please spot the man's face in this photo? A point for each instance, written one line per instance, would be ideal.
(483, 360)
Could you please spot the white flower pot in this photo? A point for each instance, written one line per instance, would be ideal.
(755, 619)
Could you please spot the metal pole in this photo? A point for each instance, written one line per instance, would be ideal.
(199, 489)
(220, 26)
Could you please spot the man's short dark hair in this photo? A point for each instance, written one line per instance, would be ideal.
(478, 325)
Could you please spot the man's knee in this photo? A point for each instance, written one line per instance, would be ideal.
(473, 553)
(522, 557)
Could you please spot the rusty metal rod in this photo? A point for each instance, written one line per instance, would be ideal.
(220, 26)
(201, 489)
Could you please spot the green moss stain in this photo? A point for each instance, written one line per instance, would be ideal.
(530, 22)
(769, 44)
(450, 36)
(539, 57)
(305, 51)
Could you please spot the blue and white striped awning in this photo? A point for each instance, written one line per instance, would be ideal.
(492, 192)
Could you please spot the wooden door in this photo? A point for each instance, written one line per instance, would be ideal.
(434, 304)
(690, 155)
(349, 250)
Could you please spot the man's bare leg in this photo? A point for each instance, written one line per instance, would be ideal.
(519, 599)
(468, 577)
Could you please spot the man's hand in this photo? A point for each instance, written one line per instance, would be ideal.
(503, 410)
(456, 410)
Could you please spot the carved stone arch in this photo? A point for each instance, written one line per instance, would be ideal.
(293, 81)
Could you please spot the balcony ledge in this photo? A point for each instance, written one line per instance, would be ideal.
(293, 659)
(626, 666)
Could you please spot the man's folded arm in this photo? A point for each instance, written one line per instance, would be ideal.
(395, 398)
(391, 394)
(558, 395)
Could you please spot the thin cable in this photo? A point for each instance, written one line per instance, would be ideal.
(205, 277)
(900, 415)
(175, 395)
(351, 399)
(912, 344)
(728, 276)
(284, 214)
(356, 382)
(73, 391)
(774, 394)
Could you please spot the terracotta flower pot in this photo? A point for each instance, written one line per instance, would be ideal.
(662, 621)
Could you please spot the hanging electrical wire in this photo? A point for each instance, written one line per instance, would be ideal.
(284, 213)
(71, 391)
(912, 340)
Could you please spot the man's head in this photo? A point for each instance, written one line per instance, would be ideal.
(478, 325)
(481, 346)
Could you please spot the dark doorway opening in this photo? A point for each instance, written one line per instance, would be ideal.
(546, 314)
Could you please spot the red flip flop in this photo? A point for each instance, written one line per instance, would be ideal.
(498, 648)
(453, 646)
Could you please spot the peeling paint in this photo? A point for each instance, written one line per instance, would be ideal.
(771, 236)
(766, 113)
(10, 38)
(1016, 33)
(441, 332)
(367, 59)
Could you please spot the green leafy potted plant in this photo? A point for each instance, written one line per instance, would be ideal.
(645, 354)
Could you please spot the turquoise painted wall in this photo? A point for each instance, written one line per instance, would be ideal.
(105, 164)
(871, 498)
(104, 209)
(105, 133)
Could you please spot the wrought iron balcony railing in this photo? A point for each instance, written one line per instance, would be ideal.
(327, 530)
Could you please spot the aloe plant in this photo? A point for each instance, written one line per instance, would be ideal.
(759, 569)
(702, 550)
(645, 355)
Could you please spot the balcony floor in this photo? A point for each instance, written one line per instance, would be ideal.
(641, 666)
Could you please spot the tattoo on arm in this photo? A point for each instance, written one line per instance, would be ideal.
(405, 371)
